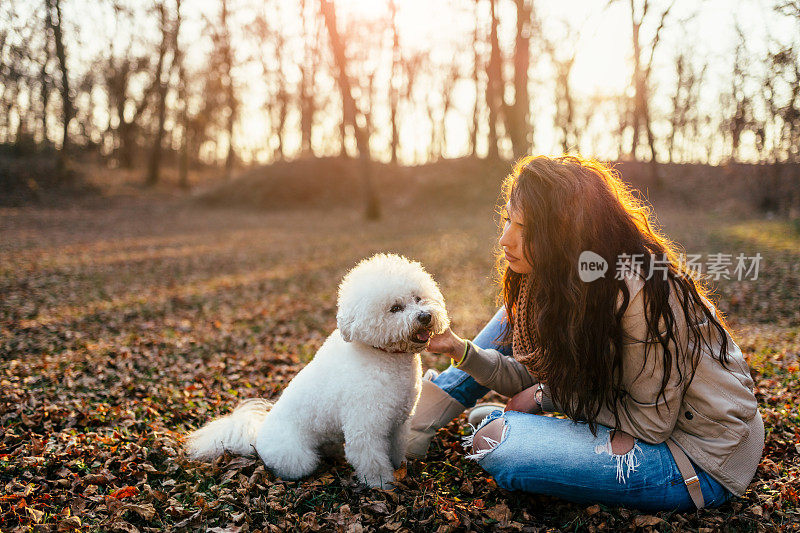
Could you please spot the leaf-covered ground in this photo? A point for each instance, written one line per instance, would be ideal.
(126, 323)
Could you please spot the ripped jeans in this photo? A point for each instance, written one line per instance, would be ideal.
(557, 457)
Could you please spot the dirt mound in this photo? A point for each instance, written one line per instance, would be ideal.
(31, 178)
(765, 188)
(337, 181)
(328, 182)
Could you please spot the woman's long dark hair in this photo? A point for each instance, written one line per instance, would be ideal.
(570, 204)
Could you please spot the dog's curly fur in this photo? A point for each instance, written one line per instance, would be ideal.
(361, 388)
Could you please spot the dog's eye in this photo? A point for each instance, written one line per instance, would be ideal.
(396, 308)
(417, 299)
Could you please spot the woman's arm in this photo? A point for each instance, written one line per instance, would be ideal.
(527, 401)
(488, 367)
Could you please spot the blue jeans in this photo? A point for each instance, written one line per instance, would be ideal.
(559, 457)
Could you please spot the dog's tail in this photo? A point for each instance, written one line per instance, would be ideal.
(235, 432)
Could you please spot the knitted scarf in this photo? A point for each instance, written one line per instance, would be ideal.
(522, 343)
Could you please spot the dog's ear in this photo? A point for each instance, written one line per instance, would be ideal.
(345, 325)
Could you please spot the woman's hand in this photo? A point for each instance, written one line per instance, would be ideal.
(525, 401)
(448, 343)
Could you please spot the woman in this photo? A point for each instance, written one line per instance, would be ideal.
(659, 395)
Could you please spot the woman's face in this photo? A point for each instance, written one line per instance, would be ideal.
(512, 243)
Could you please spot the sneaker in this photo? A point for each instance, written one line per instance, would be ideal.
(481, 411)
(430, 374)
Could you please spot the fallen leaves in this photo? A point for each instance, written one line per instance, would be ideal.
(499, 512)
(69, 524)
(146, 511)
(646, 521)
(117, 339)
(124, 492)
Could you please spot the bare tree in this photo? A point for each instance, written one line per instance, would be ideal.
(451, 79)
(434, 147)
(169, 41)
(413, 65)
(350, 111)
(685, 99)
(562, 53)
(495, 82)
(643, 53)
(477, 67)
(394, 82)
(281, 100)
(517, 112)
(225, 49)
(786, 66)
(270, 54)
(183, 120)
(20, 65)
(45, 85)
(55, 27)
(220, 104)
(737, 103)
(86, 101)
(118, 74)
(514, 115)
(308, 71)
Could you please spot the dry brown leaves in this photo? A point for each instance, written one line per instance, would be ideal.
(123, 327)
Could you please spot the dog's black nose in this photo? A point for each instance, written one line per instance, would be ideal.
(424, 317)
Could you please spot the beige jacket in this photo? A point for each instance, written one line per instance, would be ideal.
(715, 421)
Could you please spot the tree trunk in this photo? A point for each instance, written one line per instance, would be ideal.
(343, 136)
(55, 24)
(230, 97)
(443, 125)
(476, 66)
(394, 96)
(637, 80)
(494, 86)
(183, 158)
(183, 150)
(168, 38)
(350, 111)
(433, 141)
(651, 143)
(641, 78)
(517, 122)
(307, 74)
(282, 111)
(45, 93)
(306, 115)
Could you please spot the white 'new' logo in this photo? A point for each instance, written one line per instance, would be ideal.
(591, 266)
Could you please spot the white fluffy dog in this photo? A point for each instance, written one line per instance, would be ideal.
(361, 387)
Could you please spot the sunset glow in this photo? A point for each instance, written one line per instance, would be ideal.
(438, 43)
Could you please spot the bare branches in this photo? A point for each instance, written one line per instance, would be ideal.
(257, 82)
(656, 38)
